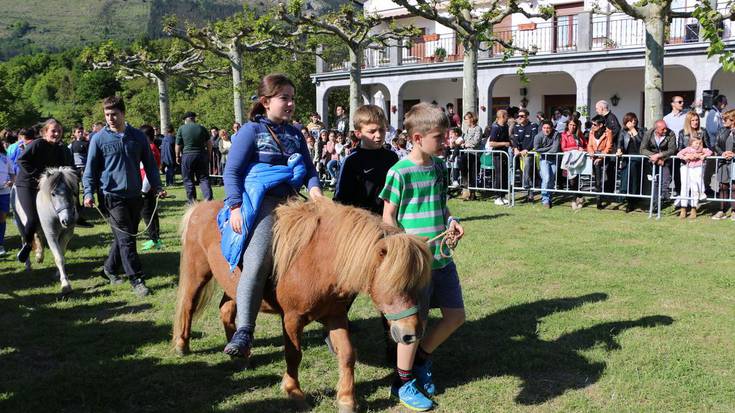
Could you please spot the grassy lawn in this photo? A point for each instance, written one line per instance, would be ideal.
(594, 311)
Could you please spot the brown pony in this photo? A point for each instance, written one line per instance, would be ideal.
(324, 254)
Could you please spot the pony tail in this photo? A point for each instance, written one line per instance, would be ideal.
(256, 110)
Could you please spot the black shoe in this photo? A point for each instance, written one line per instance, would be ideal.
(114, 279)
(139, 287)
(24, 252)
(81, 222)
(240, 343)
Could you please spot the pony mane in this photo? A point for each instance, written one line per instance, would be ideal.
(53, 177)
(361, 243)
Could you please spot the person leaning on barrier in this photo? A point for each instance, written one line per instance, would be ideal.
(725, 147)
(573, 140)
(522, 142)
(546, 143)
(473, 141)
(600, 142)
(498, 139)
(629, 143)
(659, 144)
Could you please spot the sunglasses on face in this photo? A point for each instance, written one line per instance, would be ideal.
(678, 101)
(521, 116)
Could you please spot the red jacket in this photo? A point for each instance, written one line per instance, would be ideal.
(569, 143)
(156, 156)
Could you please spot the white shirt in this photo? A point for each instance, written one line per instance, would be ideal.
(675, 122)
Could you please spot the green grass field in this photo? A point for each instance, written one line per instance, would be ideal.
(594, 311)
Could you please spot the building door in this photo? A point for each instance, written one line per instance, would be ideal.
(559, 102)
(688, 96)
(565, 26)
(499, 103)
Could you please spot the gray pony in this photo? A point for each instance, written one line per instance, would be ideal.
(58, 191)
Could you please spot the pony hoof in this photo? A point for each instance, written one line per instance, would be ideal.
(66, 292)
(346, 408)
(182, 350)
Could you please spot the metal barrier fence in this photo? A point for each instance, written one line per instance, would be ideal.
(606, 176)
(690, 184)
(486, 171)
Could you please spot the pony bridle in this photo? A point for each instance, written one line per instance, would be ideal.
(402, 314)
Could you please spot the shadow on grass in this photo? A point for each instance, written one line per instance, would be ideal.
(86, 357)
(485, 217)
(506, 343)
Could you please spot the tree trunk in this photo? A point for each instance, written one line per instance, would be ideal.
(164, 110)
(355, 82)
(236, 64)
(469, 82)
(654, 70)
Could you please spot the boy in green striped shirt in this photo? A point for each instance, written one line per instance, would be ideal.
(415, 199)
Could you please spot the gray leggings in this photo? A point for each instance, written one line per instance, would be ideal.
(257, 265)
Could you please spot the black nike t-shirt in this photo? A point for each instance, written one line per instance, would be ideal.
(362, 178)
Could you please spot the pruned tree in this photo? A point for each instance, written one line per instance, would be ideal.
(473, 26)
(231, 37)
(353, 28)
(157, 61)
(656, 16)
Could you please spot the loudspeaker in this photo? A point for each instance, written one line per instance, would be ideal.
(707, 97)
(524, 91)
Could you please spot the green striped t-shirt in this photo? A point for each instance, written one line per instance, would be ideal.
(420, 193)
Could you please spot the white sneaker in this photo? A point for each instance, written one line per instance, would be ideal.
(499, 202)
(333, 182)
(2, 250)
(455, 184)
(505, 201)
(719, 215)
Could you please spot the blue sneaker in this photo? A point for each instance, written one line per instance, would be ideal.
(240, 344)
(424, 378)
(412, 397)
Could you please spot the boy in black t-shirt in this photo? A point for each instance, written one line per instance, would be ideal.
(363, 174)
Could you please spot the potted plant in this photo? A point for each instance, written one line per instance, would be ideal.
(440, 54)
(609, 43)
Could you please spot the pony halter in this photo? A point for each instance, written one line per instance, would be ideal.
(403, 314)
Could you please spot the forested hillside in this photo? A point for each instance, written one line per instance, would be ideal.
(28, 26)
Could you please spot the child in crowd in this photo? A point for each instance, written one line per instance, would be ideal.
(149, 211)
(331, 158)
(402, 152)
(691, 177)
(319, 162)
(454, 155)
(7, 173)
(415, 196)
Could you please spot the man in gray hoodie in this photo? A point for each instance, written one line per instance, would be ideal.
(546, 144)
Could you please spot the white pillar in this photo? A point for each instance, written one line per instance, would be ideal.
(396, 99)
(485, 100)
(322, 107)
(583, 80)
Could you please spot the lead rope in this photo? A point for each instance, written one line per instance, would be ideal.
(447, 242)
(155, 209)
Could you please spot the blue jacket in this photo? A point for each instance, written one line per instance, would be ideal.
(260, 178)
(254, 144)
(113, 164)
(168, 157)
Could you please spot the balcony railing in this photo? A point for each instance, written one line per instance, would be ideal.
(601, 32)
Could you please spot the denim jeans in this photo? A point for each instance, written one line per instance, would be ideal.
(333, 167)
(547, 169)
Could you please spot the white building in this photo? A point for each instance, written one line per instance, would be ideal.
(582, 57)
